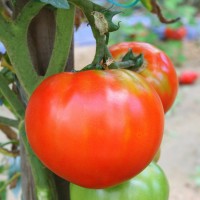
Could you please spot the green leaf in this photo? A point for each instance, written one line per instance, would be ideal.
(57, 3)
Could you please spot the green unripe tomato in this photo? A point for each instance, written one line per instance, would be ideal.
(150, 184)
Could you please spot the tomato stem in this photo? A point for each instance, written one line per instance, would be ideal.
(63, 38)
(101, 23)
(155, 8)
(8, 153)
(100, 20)
(9, 122)
(11, 97)
(14, 36)
(8, 182)
(9, 132)
(43, 178)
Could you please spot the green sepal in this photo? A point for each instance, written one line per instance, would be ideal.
(109, 16)
(128, 56)
(136, 60)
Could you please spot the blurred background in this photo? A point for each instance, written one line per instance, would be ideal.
(180, 150)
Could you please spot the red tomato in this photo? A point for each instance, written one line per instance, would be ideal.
(158, 69)
(188, 77)
(175, 33)
(95, 128)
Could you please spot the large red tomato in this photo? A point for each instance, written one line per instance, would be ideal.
(158, 69)
(95, 128)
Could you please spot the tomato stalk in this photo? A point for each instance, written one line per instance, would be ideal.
(62, 42)
(15, 41)
(9, 153)
(100, 20)
(154, 7)
(15, 142)
(11, 97)
(9, 133)
(45, 186)
(9, 122)
(8, 182)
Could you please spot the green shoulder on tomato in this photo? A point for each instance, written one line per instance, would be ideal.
(150, 184)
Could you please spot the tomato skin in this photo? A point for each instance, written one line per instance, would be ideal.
(159, 70)
(150, 184)
(95, 128)
(175, 33)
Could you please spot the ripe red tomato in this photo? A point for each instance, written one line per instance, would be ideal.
(188, 77)
(158, 69)
(175, 33)
(95, 128)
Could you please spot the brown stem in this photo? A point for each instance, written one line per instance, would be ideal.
(157, 10)
(10, 133)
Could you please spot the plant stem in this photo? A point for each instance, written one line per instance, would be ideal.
(11, 97)
(9, 153)
(100, 50)
(88, 7)
(25, 72)
(15, 176)
(9, 122)
(15, 40)
(16, 142)
(5, 29)
(28, 12)
(43, 178)
(63, 38)
(10, 133)
(4, 63)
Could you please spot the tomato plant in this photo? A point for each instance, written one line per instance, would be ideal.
(97, 125)
(158, 70)
(150, 184)
(175, 33)
(94, 128)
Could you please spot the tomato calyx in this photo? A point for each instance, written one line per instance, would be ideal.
(136, 61)
(129, 61)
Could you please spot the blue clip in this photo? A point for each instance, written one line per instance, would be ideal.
(123, 5)
(1, 102)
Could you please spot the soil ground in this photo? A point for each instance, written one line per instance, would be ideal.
(180, 151)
